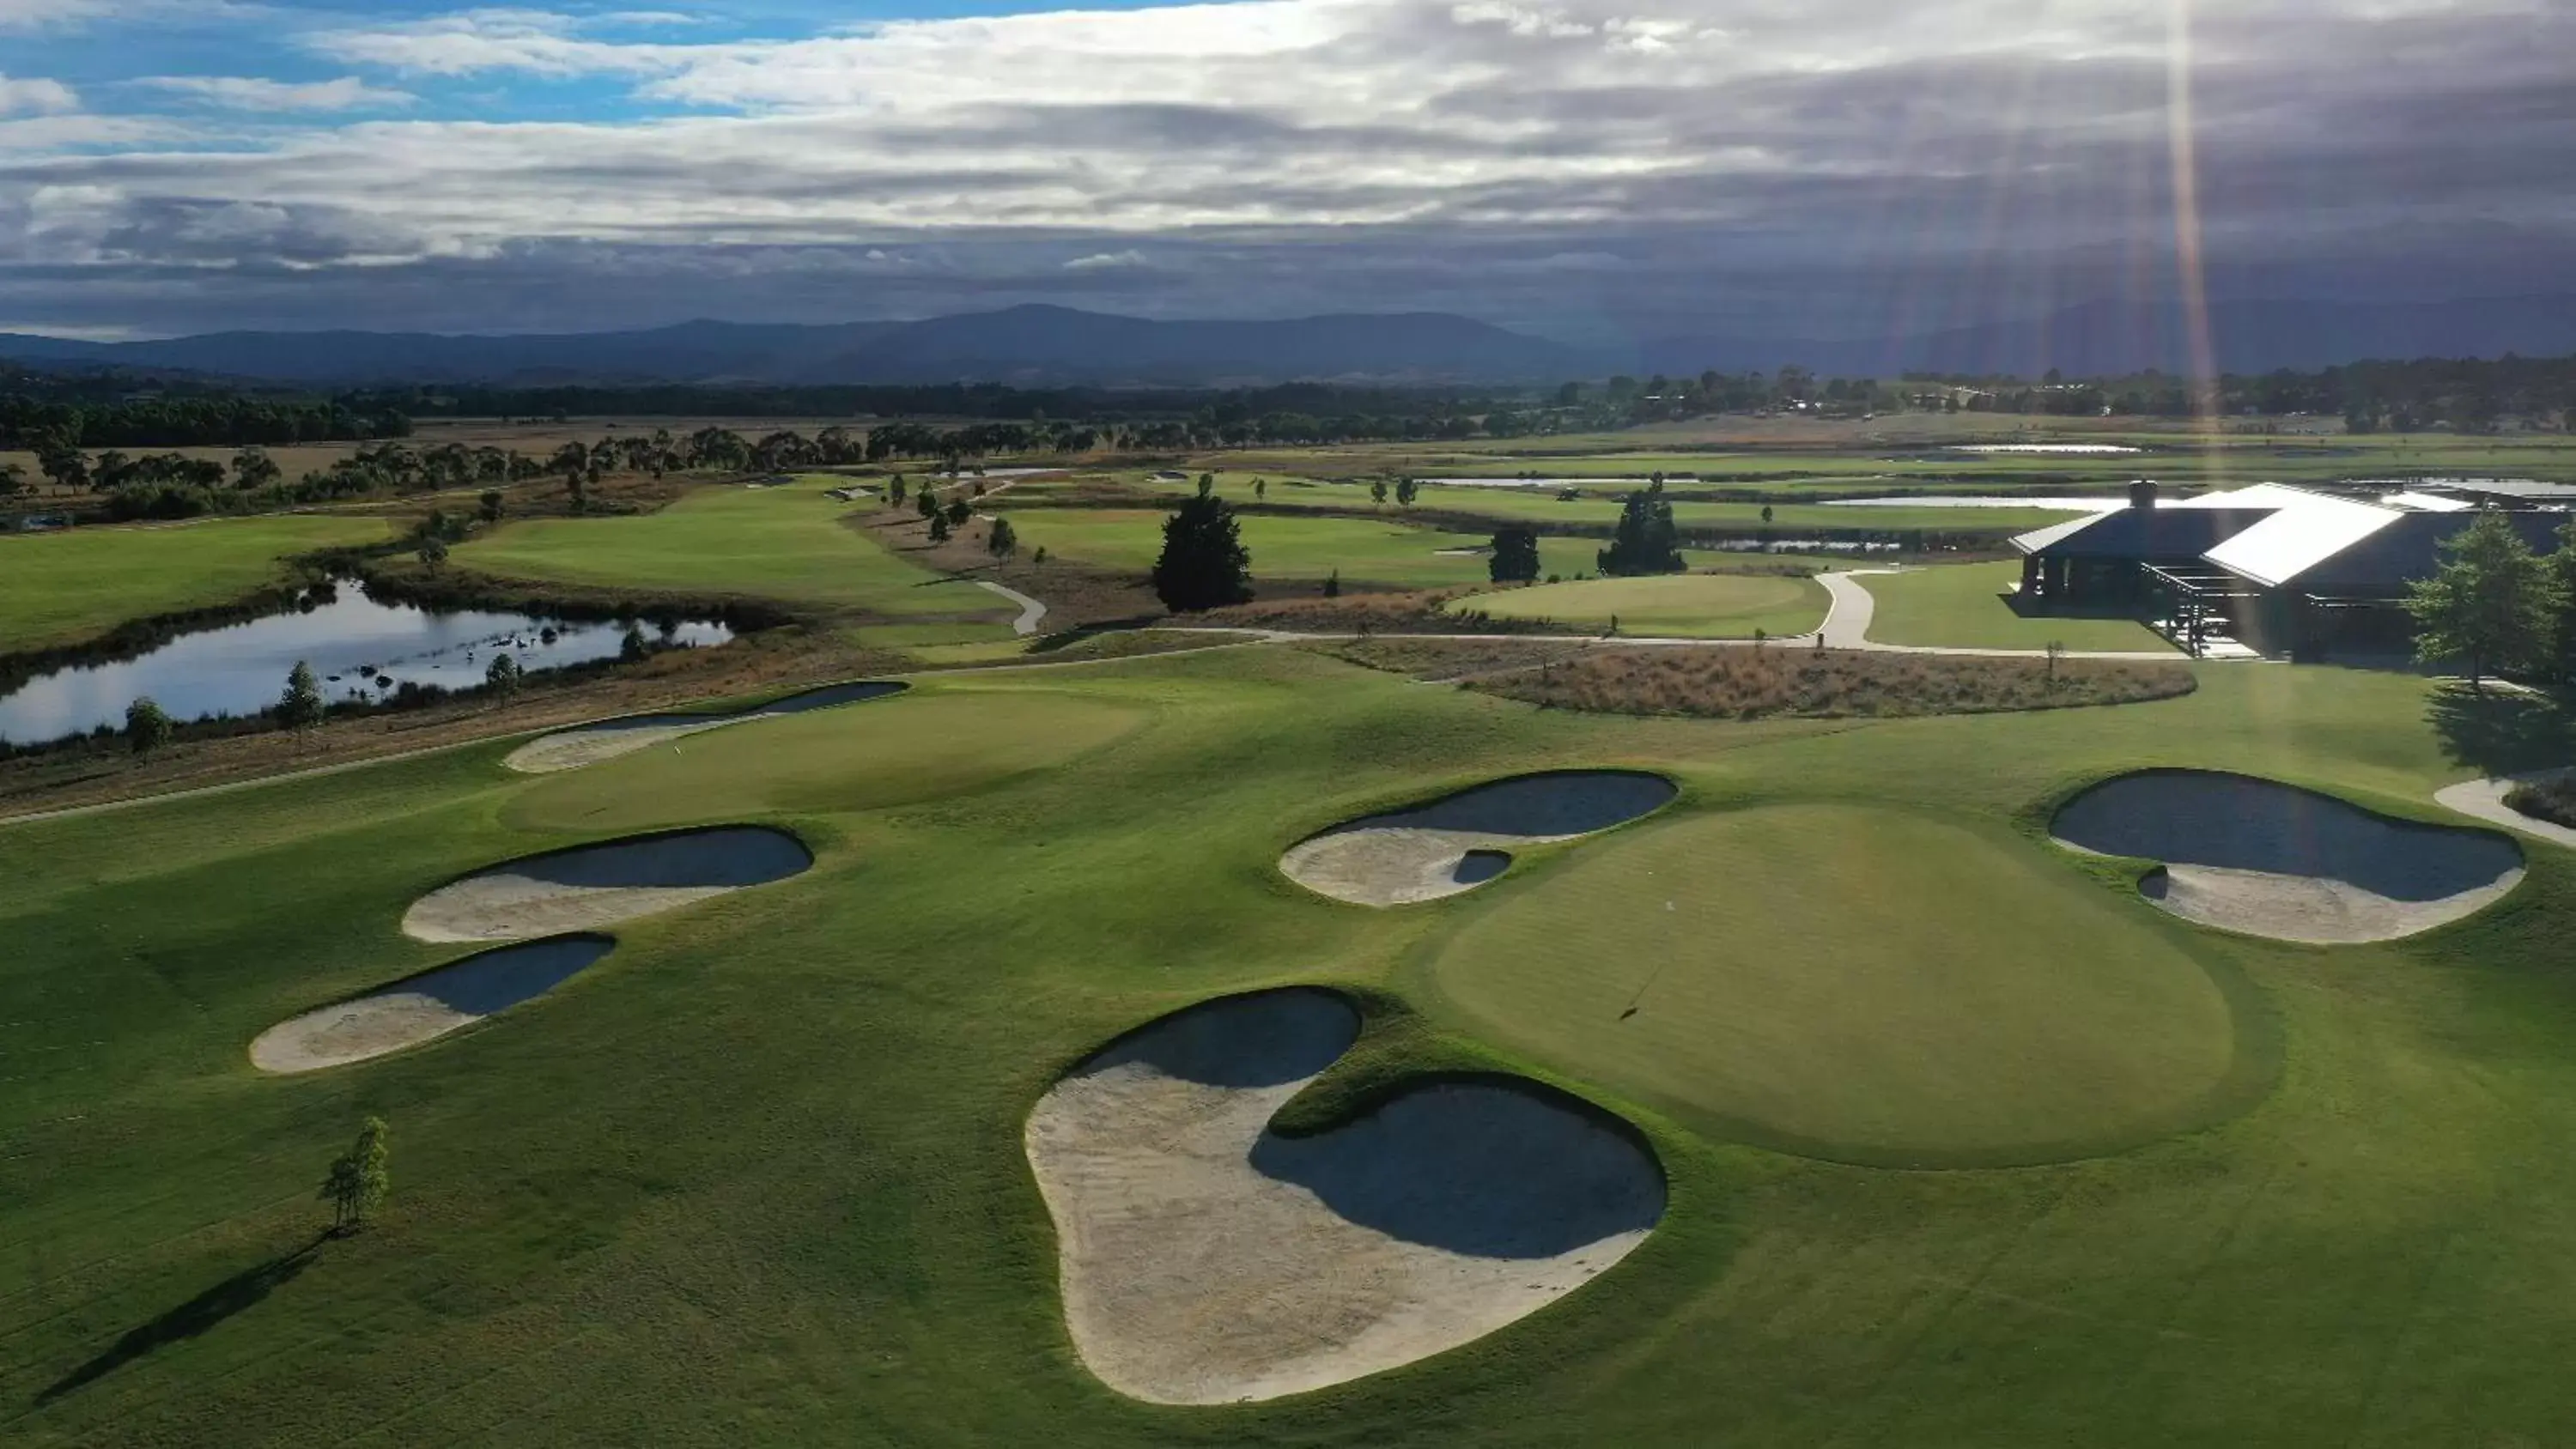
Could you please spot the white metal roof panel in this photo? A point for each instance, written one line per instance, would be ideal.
(2309, 530)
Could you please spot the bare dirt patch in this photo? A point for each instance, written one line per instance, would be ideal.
(590, 744)
(1455, 844)
(1208, 1260)
(424, 1007)
(600, 885)
(2270, 859)
(1738, 683)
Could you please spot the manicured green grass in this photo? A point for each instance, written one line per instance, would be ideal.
(894, 752)
(1600, 506)
(1963, 606)
(1698, 606)
(787, 543)
(1910, 991)
(1362, 550)
(758, 1176)
(62, 588)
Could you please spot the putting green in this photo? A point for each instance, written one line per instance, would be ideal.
(1859, 984)
(918, 748)
(1697, 606)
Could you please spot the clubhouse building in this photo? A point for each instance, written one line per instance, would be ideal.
(2271, 569)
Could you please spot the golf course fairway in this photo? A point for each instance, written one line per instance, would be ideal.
(1861, 984)
(1690, 606)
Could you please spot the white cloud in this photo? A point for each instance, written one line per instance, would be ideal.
(36, 94)
(245, 93)
(1129, 260)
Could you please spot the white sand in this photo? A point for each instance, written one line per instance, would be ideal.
(1206, 1260)
(589, 744)
(600, 885)
(1456, 844)
(423, 1007)
(2272, 860)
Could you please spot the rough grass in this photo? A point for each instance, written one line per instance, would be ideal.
(1400, 613)
(1449, 658)
(1121, 644)
(2550, 800)
(1743, 683)
(63, 588)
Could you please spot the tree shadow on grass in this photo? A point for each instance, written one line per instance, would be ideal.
(2503, 733)
(235, 1294)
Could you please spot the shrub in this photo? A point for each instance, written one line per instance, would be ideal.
(2550, 800)
(147, 726)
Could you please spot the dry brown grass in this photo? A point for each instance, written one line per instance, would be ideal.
(1448, 658)
(1399, 613)
(1740, 683)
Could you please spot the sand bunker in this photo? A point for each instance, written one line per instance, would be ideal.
(429, 1005)
(1459, 843)
(571, 749)
(1207, 1260)
(2273, 860)
(599, 885)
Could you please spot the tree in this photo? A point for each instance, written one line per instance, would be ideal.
(301, 707)
(1038, 559)
(1333, 584)
(491, 505)
(63, 467)
(633, 647)
(1260, 488)
(147, 726)
(1515, 559)
(927, 502)
(1004, 540)
(1646, 542)
(895, 489)
(432, 551)
(2492, 605)
(359, 1179)
(253, 468)
(502, 677)
(13, 480)
(2562, 572)
(939, 528)
(959, 510)
(1204, 564)
(1377, 491)
(1406, 490)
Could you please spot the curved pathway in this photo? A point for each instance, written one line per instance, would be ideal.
(1031, 611)
(2484, 800)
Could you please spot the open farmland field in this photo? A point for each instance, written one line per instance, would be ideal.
(2256, 1179)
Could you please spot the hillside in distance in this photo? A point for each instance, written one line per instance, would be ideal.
(1024, 346)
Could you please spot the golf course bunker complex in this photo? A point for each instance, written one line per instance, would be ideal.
(592, 886)
(588, 745)
(1458, 843)
(2270, 859)
(1207, 1260)
(423, 1007)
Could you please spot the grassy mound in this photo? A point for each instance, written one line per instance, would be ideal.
(918, 748)
(1692, 606)
(1828, 683)
(1858, 984)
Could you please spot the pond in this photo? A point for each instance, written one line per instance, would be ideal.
(360, 649)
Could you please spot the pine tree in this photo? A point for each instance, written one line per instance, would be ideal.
(1204, 563)
(1515, 558)
(1647, 541)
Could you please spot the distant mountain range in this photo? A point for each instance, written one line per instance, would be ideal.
(1023, 346)
(2108, 339)
(1038, 346)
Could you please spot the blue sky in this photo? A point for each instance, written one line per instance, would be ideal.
(1590, 168)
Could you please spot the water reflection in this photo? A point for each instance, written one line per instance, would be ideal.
(360, 649)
